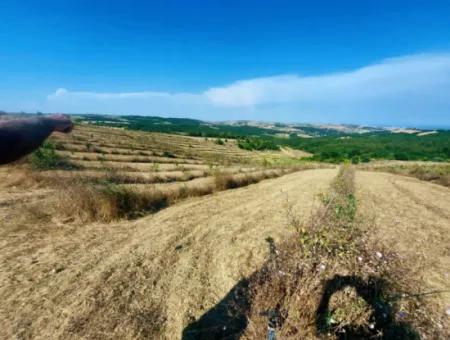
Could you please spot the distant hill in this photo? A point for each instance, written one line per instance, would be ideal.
(227, 129)
(323, 142)
(327, 142)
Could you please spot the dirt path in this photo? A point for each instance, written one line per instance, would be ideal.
(412, 216)
(149, 277)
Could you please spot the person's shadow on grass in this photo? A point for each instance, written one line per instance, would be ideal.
(228, 319)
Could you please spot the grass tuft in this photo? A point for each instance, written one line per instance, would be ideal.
(110, 202)
(46, 158)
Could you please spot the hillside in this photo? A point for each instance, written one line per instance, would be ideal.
(230, 129)
(159, 273)
(117, 173)
(325, 143)
(170, 271)
(225, 170)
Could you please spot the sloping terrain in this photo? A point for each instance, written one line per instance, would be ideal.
(127, 280)
(88, 142)
(151, 277)
(413, 217)
(109, 173)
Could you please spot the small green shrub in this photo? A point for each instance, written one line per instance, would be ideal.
(355, 160)
(46, 158)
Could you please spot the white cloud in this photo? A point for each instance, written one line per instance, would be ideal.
(59, 93)
(62, 92)
(396, 76)
(412, 89)
(147, 102)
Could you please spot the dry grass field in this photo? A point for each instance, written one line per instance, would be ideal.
(150, 236)
(428, 171)
(108, 173)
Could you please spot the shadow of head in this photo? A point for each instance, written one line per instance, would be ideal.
(226, 320)
(382, 319)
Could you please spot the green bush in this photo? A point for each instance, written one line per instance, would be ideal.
(355, 160)
(259, 144)
(46, 158)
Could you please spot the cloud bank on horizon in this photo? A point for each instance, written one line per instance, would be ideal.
(409, 90)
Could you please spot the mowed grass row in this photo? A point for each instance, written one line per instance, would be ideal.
(139, 140)
(109, 197)
(137, 177)
(112, 149)
(113, 177)
(170, 150)
(94, 156)
(154, 166)
(106, 174)
(116, 149)
(147, 147)
(107, 202)
(113, 166)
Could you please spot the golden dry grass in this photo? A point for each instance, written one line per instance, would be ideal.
(106, 161)
(73, 267)
(336, 279)
(438, 173)
(101, 280)
(107, 202)
(151, 278)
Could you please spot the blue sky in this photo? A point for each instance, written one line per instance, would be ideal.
(369, 62)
